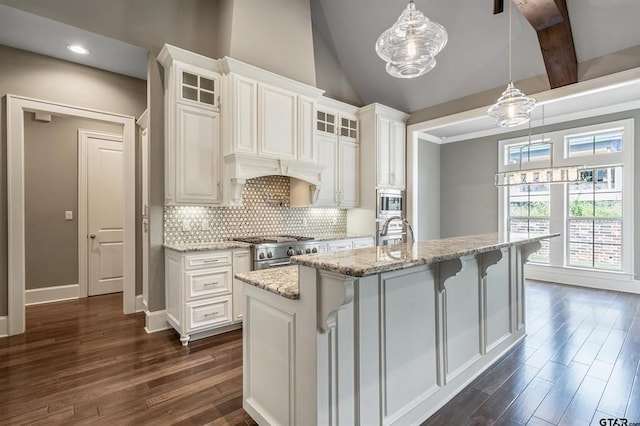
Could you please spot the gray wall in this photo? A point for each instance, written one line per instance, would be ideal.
(469, 199)
(329, 74)
(40, 77)
(51, 188)
(428, 191)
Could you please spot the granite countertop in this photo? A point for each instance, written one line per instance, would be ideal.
(281, 281)
(214, 245)
(373, 260)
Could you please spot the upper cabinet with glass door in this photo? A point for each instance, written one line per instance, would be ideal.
(338, 151)
(199, 87)
(192, 128)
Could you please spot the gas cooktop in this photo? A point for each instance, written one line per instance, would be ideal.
(273, 239)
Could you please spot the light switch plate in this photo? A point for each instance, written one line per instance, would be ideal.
(204, 225)
(68, 215)
(186, 225)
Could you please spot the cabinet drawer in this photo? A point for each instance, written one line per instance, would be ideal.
(208, 313)
(207, 260)
(339, 246)
(365, 242)
(208, 282)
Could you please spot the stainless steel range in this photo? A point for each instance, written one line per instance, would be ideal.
(274, 251)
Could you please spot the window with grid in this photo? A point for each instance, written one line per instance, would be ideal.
(529, 215)
(594, 220)
(593, 216)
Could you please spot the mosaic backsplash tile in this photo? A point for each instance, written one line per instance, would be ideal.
(265, 211)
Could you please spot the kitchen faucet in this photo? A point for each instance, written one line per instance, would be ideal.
(385, 227)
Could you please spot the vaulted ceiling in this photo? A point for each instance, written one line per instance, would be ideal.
(476, 56)
(475, 59)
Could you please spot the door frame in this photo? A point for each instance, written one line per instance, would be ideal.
(16, 107)
(83, 198)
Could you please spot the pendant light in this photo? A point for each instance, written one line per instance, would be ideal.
(513, 108)
(409, 47)
(545, 175)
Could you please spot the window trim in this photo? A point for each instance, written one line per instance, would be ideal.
(559, 247)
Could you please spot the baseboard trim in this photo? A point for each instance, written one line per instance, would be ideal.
(156, 321)
(591, 279)
(4, 326)
(51, 294)
(140, 305)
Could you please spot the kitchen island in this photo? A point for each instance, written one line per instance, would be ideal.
(382, 335)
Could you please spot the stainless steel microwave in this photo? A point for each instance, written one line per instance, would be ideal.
(390, 203)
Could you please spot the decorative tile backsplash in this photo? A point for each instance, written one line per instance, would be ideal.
(265, 211)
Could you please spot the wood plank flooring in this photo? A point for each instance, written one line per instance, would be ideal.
(84, 362)
(578, 364)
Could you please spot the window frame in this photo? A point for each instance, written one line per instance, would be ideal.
(559, 197)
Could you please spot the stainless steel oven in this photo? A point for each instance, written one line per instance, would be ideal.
(390, 203)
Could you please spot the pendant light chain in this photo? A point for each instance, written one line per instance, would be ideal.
(510, 3)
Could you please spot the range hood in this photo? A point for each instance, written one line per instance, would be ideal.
(241, 167)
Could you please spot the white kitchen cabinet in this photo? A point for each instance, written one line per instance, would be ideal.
(339, 245)
(390, 164)
(241, 130)
(277, 122)
(363, 242)
(338, 152)
(202, 297)
(192, 128)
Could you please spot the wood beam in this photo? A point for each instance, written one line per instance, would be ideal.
(550, 19)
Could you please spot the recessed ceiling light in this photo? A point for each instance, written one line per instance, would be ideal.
(76, 48)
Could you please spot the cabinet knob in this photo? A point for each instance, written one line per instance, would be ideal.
(92, 236)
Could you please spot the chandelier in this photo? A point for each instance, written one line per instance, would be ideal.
(409, 47)
(513, 108)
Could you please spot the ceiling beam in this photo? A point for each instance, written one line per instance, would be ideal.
(550, 19)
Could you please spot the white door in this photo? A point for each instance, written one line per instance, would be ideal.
(144, 142)
(105, 205)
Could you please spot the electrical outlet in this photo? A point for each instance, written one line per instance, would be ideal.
(205, 225)
(304, 222)
(334, 221)
(186, 225)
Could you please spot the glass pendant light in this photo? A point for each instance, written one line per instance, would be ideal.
(513, 108)
(409, 47)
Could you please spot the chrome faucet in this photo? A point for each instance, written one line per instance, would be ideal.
(385, 227)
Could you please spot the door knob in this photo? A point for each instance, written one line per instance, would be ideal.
(92, 236)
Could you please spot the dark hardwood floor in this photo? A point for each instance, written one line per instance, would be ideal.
(578, 364)
(84, 362)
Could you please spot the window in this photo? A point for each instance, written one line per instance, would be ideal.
(594, 216)
(595, 220)
(529, 214)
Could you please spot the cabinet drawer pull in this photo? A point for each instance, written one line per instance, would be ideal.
(210, 284)
(213, 314)
(210, 261)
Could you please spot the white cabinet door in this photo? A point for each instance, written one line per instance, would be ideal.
(197, 155)
(327, 156)
(277, 122)
(241, 263)
(348, 174)
(397, 166)
(244, 111)
(383, 152)
(307, 148)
